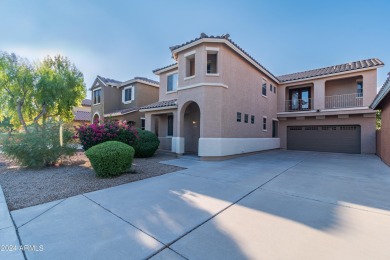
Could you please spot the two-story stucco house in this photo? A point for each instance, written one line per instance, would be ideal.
(122, 100)
(218, 101)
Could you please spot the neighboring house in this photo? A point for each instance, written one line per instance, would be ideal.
(382, 102)
(121, 100)
(218, 101)
(82, 114)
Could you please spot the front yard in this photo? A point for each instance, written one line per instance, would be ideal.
(25, 187)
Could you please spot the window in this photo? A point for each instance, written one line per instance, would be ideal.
(270, 87)
(127, 94)
(172, 81)
(97, 96)
(359, 88)
(300, 99)
(190, 65)
(212, 62)
(143, 123)
(264, 89)
(246, 118)
(274, 89)
(252, 119)
(238, 117)
(264, 124)
(170, 125)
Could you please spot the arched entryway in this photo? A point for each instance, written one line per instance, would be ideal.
(191, 128)
(96, 118)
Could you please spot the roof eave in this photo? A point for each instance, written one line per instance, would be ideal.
(232, 46)
(140, 81)
(381, 95)
(330, 75)
(159, 71)
(158, 108)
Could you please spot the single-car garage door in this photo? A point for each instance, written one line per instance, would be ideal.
(326, 138)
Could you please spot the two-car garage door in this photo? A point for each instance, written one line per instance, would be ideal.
(326, 138)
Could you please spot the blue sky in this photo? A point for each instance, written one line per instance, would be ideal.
(124, 39)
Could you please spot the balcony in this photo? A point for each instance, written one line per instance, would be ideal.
(295, 105)
(344, 101)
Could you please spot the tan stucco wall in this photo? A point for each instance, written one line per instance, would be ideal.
(321, 86)
(219, 105)
(383, 149)
(163, 95)
(341, 86)
(368, 143)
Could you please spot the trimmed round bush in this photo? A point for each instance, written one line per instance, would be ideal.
(146, 144)
(111, 158)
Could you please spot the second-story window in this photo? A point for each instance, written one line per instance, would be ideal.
(212, 58)
(190, 65)
(359, 89)
(264, 89)
(172, 81)
(97, 96)
(128, 94)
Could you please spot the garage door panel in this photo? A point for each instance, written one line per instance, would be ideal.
(340, 138)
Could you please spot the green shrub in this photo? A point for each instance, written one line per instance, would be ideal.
(111, 158)
(40, 147)
(146, 144)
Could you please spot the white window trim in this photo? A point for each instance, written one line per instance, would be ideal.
(212, 49)
(212, 74)
(93, 96)
(262, 83)
(171, 92)
(190, 77)
(189, 53)
(266, 125)
(132, 94)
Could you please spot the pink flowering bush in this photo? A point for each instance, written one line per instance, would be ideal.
(93, 134)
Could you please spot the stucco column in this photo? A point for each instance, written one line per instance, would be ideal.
(319, 95)
(148, 122)
(369, 83)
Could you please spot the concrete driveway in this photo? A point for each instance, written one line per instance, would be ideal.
(271, 205)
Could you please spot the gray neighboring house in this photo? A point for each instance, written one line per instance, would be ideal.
(121, 100)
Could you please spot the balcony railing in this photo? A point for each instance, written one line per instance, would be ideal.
(299, 105)
(344, 101)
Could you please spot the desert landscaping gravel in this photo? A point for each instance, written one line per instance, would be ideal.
(25, 187)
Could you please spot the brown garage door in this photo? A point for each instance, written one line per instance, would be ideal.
(326, 138)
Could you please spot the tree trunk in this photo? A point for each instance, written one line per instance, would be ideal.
(20, 115)
(43, 112)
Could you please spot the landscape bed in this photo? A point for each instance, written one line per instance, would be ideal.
(25, 187)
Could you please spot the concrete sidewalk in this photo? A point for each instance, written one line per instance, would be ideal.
(277, 204)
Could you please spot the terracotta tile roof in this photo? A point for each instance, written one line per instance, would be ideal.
(82, 116)
(108, 81)
(122, 112)
(86, 102)
(383, 92)
(351, 66)
(226, 37)
(161, 104)
(120, 83)
(163, 68)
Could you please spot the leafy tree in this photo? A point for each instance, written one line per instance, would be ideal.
(49, 89)
(16, 86)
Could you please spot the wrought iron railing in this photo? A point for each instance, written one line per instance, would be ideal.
(299, 105)
(344, 101)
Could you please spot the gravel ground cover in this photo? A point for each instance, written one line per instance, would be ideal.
(25, 187)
